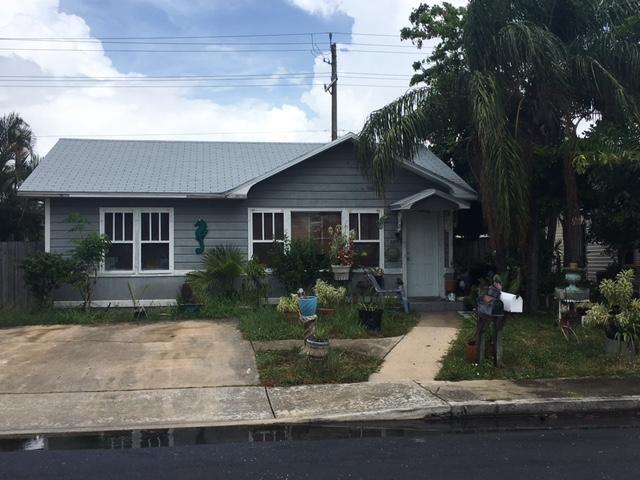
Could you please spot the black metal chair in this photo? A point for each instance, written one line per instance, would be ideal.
(381, 292)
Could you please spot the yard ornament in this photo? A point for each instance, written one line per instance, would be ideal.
(201, 232)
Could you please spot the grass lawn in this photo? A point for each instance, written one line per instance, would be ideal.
(256, 322)
(534, 347)
(267, 324)
(289, 367)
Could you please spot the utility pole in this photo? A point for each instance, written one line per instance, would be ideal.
(333, 88)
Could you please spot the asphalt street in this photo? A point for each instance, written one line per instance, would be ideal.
(607, 453)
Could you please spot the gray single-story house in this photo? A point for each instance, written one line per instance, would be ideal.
(148, 195)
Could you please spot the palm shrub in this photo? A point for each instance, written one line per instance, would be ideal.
(619, 313)
(222, 266)
(43, 273)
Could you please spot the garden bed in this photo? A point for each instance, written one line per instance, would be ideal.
(289, 367)
(534, 347)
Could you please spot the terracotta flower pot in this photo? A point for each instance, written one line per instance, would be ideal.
(472, 351)
(326, 312)
(291, 316)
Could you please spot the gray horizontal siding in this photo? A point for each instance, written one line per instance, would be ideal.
(226, 220)
(333, 180)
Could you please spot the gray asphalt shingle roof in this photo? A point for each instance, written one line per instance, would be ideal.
(84, 166)
(131, 166)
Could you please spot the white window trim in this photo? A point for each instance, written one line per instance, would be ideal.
(137, 241)
(287, 224)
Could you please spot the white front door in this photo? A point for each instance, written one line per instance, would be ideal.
(421, 250)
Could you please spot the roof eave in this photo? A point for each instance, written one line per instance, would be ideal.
(54, 194)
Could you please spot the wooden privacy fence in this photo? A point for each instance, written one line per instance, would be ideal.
(13, 291)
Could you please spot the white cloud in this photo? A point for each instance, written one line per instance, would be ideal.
(91, 111)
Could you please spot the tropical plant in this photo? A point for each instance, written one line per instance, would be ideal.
(509, 80)
(619, 313)
(297, 263)
(328, 295)
(256, 283)
(19, 218)
(288, 304)
(341, 246)
(43, 273)
(222, 266)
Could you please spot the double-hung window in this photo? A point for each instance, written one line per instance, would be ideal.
(367, 237)
(141, 239)
(266, 227)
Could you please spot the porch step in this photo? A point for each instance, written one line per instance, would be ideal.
(435, 306)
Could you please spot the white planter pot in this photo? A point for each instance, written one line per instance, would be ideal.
(341, 272)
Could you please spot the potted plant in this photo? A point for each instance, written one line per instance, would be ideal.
(618, 315)
(328, 297)
(187, 300)
(317, 345)
(370, 315)
(288, 307)
(341, 252)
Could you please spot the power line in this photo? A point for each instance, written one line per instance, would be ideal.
(253, 85)
(199, 77)
(196, 37)
(244, 132)
(233, 51)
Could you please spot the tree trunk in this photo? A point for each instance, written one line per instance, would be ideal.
(533, 260)
(572, 226)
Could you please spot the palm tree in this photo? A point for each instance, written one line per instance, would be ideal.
(16, 151)
(533, 69)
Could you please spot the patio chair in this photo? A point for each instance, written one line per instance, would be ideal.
(381, 292)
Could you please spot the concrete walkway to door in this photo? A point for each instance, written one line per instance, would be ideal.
(417, 356)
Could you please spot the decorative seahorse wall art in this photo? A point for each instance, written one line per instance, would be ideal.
(201, 232)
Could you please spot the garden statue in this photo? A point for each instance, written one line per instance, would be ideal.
(201, 232)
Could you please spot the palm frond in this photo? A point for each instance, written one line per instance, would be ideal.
(392, 135)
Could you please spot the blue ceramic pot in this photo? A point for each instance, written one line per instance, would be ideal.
(308, 306)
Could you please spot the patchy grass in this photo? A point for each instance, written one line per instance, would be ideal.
(289, 367)
(266, 324)
(256, 322)
(534, 347)
(14, 317)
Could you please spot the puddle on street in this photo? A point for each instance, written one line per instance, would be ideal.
(174, 437)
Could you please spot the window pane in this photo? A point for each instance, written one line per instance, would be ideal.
(263, 252)
(279, 221)
(257, 226)
(164, 226)
(154, 256)
(119, 257)
(314, 225)
(155, 224)
(117, 219)
(353, 224)
(268, 226)
(369, 226)
(144, 220)
(108, 225)
(128, 226)
(368, 254)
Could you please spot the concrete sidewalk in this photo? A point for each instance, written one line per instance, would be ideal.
(417, 356)
(253, 405)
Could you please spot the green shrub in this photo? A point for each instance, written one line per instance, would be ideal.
(256, 284)
(288, 304)
(223, 265)
(43, 273)
(297, 263)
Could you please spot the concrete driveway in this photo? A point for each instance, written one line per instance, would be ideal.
(132, 356)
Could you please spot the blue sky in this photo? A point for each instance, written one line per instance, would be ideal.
(159, 110)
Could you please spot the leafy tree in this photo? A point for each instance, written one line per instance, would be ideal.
(86, 258)
(510, 80)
